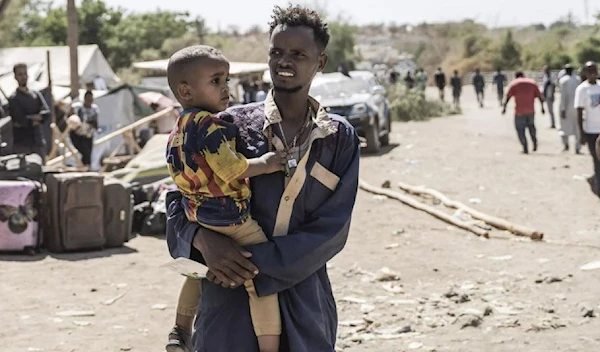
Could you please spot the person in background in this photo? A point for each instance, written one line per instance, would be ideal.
(394, 75)
(525, 91)
(82, 136)
(500, 81)
(29, 111)
(548, 91)
(456, 83)
(587, 99)
(409, 80)
(568, 113)
(479, 85)
(440, 81)
(261, 95)
(422, 79)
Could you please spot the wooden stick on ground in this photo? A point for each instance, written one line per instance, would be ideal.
(498, 223)
(423, 207)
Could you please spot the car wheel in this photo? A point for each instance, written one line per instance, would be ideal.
(385, 139)
(372, 136)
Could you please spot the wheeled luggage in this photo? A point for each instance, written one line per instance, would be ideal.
(19, 215)
(74, 211)
(118, 211)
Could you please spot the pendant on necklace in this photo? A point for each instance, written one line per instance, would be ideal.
(292, 163)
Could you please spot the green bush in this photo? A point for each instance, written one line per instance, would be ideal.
(412, 105)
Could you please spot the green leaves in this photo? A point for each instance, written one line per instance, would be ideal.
(121, 36)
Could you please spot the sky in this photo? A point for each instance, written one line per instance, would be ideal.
(246, 13)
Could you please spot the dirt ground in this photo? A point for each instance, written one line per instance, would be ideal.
(453, 290)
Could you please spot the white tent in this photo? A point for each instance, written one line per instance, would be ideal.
(235, 68)
(93, 67)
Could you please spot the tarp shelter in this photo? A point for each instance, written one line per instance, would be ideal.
(149, 165)
(156, 72)
(119, 107)
(93, 67)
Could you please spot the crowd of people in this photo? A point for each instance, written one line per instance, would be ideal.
(30, 113)
(578, 108)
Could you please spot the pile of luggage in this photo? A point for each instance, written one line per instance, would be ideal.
(62, 212)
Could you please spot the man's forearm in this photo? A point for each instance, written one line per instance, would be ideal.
(580, 121)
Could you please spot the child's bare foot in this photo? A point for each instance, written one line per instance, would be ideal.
(179, 341)
(268, 343)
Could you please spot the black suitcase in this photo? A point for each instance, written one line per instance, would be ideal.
(20, 166)
(118, 212)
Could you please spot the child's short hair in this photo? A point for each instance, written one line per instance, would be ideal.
(181, 63)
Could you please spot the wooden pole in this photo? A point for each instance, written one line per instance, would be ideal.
(423, 207)
(488, 219)
(52, 114)
(73, 41)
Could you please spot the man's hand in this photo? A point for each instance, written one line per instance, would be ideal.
(563, 114)
(35, 118)
(225, 259)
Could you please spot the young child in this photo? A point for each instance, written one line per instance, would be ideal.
(213, 178)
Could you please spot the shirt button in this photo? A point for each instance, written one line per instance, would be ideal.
(287, 198)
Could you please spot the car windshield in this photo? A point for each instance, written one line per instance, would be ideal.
(333, 89)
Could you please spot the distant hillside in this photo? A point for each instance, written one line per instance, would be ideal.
(462, 45)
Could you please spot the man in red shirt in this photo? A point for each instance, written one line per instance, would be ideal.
(525, 91)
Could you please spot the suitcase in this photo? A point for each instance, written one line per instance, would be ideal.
(118, 212)
(74, 212)
(19, 214)
(21, 166)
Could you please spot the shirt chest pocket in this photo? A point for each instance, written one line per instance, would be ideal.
(320, 185)
(324, 176)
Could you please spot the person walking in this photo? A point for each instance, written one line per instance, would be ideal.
(568, 112)
(525, 91)
(499, 81)
(456, 83)
(549, 87)
(587, 103)
(479, 85)
(440, 81)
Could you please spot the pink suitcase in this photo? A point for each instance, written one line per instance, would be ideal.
(19, 213)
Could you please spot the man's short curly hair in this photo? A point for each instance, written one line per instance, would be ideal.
(296, 16)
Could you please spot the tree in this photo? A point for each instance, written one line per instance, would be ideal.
(509, 53)
(122, 37)
(341, 46)
(588, 50)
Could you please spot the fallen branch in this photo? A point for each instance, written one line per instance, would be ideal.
(498, 223)
(423, 207)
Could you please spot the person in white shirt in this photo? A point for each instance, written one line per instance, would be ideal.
(587, 103)
(568, 112)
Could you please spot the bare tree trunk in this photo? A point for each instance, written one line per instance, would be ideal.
(3, 6)
(73, 41)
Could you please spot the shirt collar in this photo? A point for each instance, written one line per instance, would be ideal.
(320, 117)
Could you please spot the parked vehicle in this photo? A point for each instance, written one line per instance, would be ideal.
(361, 99)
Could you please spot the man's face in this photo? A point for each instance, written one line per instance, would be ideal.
(294, 58)
(206, 86)
(591, 71)
(21, 76)
(88, 100)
